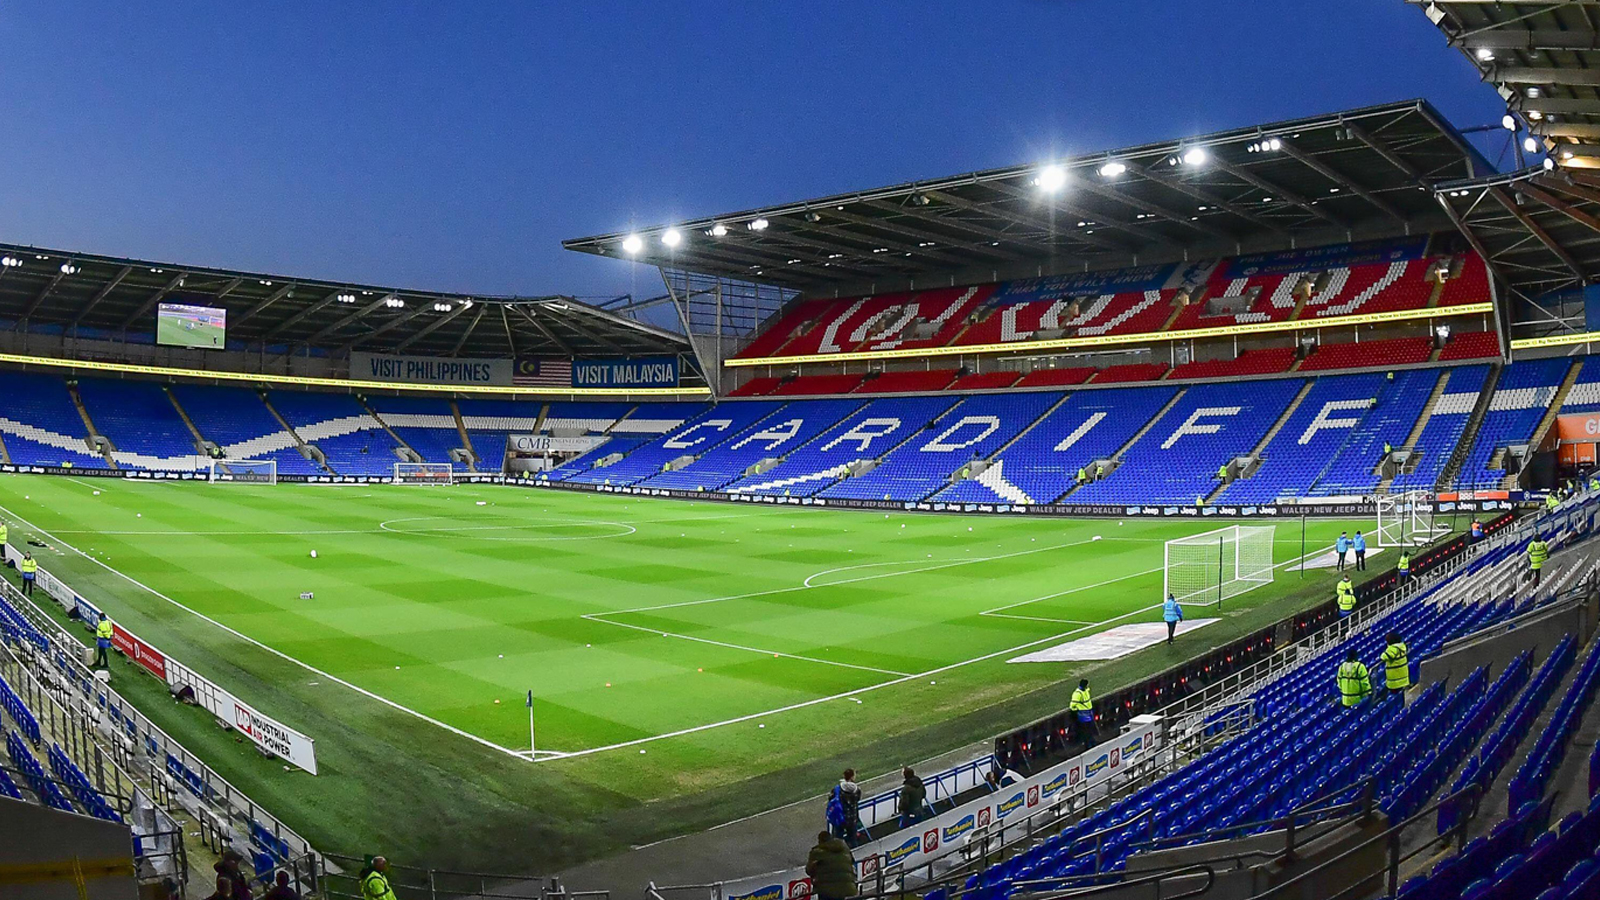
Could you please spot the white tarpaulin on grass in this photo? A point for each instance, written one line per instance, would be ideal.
(1119, 641)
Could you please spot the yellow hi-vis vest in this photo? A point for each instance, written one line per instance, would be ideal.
(376, 887)
(1405, 563)
(1354, 686)
(1347, 595)
(5, 534)
(1080, 702)
(28, 566)
(1396, 667)
(1538, 552)
(103, 630)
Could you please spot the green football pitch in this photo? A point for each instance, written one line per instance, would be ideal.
(689, 661)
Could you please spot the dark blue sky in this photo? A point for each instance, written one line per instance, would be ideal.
(453, 145)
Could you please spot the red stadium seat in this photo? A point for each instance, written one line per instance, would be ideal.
(1472, 345)
(1250, 362)
(815, 385)
(985, 381)
(905, 382)
(756, 387)
(1054, 377)
(1368, 354)
(1131, 372)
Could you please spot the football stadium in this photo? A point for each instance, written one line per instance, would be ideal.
(1207, 517)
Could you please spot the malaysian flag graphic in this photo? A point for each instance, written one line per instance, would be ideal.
(543, 372)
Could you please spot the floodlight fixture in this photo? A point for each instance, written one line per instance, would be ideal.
(632, 244)
(1508, 122)
(759, 225)
(1112, 169)
(1530, 145)
(1549, 164)
(1051, 178)
(1485, 54)
(718, 230)
(672, 237)
(1195, 156)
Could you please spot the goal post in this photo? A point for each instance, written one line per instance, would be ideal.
(424, 473)
(244, 471)
(1407, 520)
(1215, 565)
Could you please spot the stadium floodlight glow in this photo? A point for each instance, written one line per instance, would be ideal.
(758, 225)
(632, 244)
(718, 230)
(69, 269)
(1530, 145)
(1534, 115)
(1485, 54)
(442, 307)
(672, 237)
(10, 262)
(1549, 164)
(1051, 179)
(1508, 123)
(1113, 169)
(347, 298)
(1195, 156)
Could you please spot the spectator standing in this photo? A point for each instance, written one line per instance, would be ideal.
(29, 567)
(1403, 568)
(229, 867)
(1359, 544)
(1477, 530)
(281, 889)
(102, 641)
(375, 883)
(832, 868)
(913, 798)
(224, 889)
(1082, 707)
(1538, 554)
(1172, 614)
(1354, 682)
(1396, 666)
(1343, 546)
(5, 535)
(850, 806)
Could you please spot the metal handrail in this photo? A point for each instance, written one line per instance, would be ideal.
(1207, 869)
(1391, 836)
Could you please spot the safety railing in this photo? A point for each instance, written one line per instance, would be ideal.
(100, 724)
(415, 883)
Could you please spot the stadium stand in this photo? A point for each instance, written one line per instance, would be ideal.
(583, 418)
(909, 381)
(1471, 345)
(871, 433)
(788, 427)
(1320, 426)
(973, 429)
(1248, 362)
(1447, 421)
(756, 387)
(1521, 397)
(693, 439)
(41, 426)
(1057, 377)
(1353, 469)
(426, 424)
(1131, 372)
(985, 381)
(1585, 393)
(1176, 460)
(1043, 463)
(241, 425)
(350, 438)
(141, 423)
(490, 423)
(818, 385)
(1368, 354)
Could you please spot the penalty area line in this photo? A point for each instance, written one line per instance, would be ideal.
(255, 643)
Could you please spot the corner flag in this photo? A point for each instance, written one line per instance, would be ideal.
(533, 743)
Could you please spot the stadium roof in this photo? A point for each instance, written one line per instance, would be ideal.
(1539, 230)
(1363, 173)
(1543, 57)
(82, 293)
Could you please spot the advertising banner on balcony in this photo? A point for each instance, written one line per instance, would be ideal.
(429, 369)
(638, 372)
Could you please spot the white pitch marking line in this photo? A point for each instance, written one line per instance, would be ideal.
(250, 640)
(690, 637)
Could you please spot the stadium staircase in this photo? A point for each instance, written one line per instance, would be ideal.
(201, 444)
(5, 455)
(1116, 457)
(97, 442)
(400, 442)
(1261, 446)
(1548, 421)
(466, 439)
(306, 450)
(992, 474)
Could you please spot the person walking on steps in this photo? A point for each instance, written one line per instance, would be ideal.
(1172, 614)
(832, 868)
(1538, 554)
(1396, 666)
(1359, 544)
(913, 798)
(1354, 682)
(1344, 594)
(1082, 708)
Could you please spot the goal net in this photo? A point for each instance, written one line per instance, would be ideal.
(1216, 565)
(1407, 520)
(424, 473)
(244, 471)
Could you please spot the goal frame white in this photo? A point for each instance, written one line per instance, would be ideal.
(448, 470)
(1406, 519)
(216, 477)
(1233, 574)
